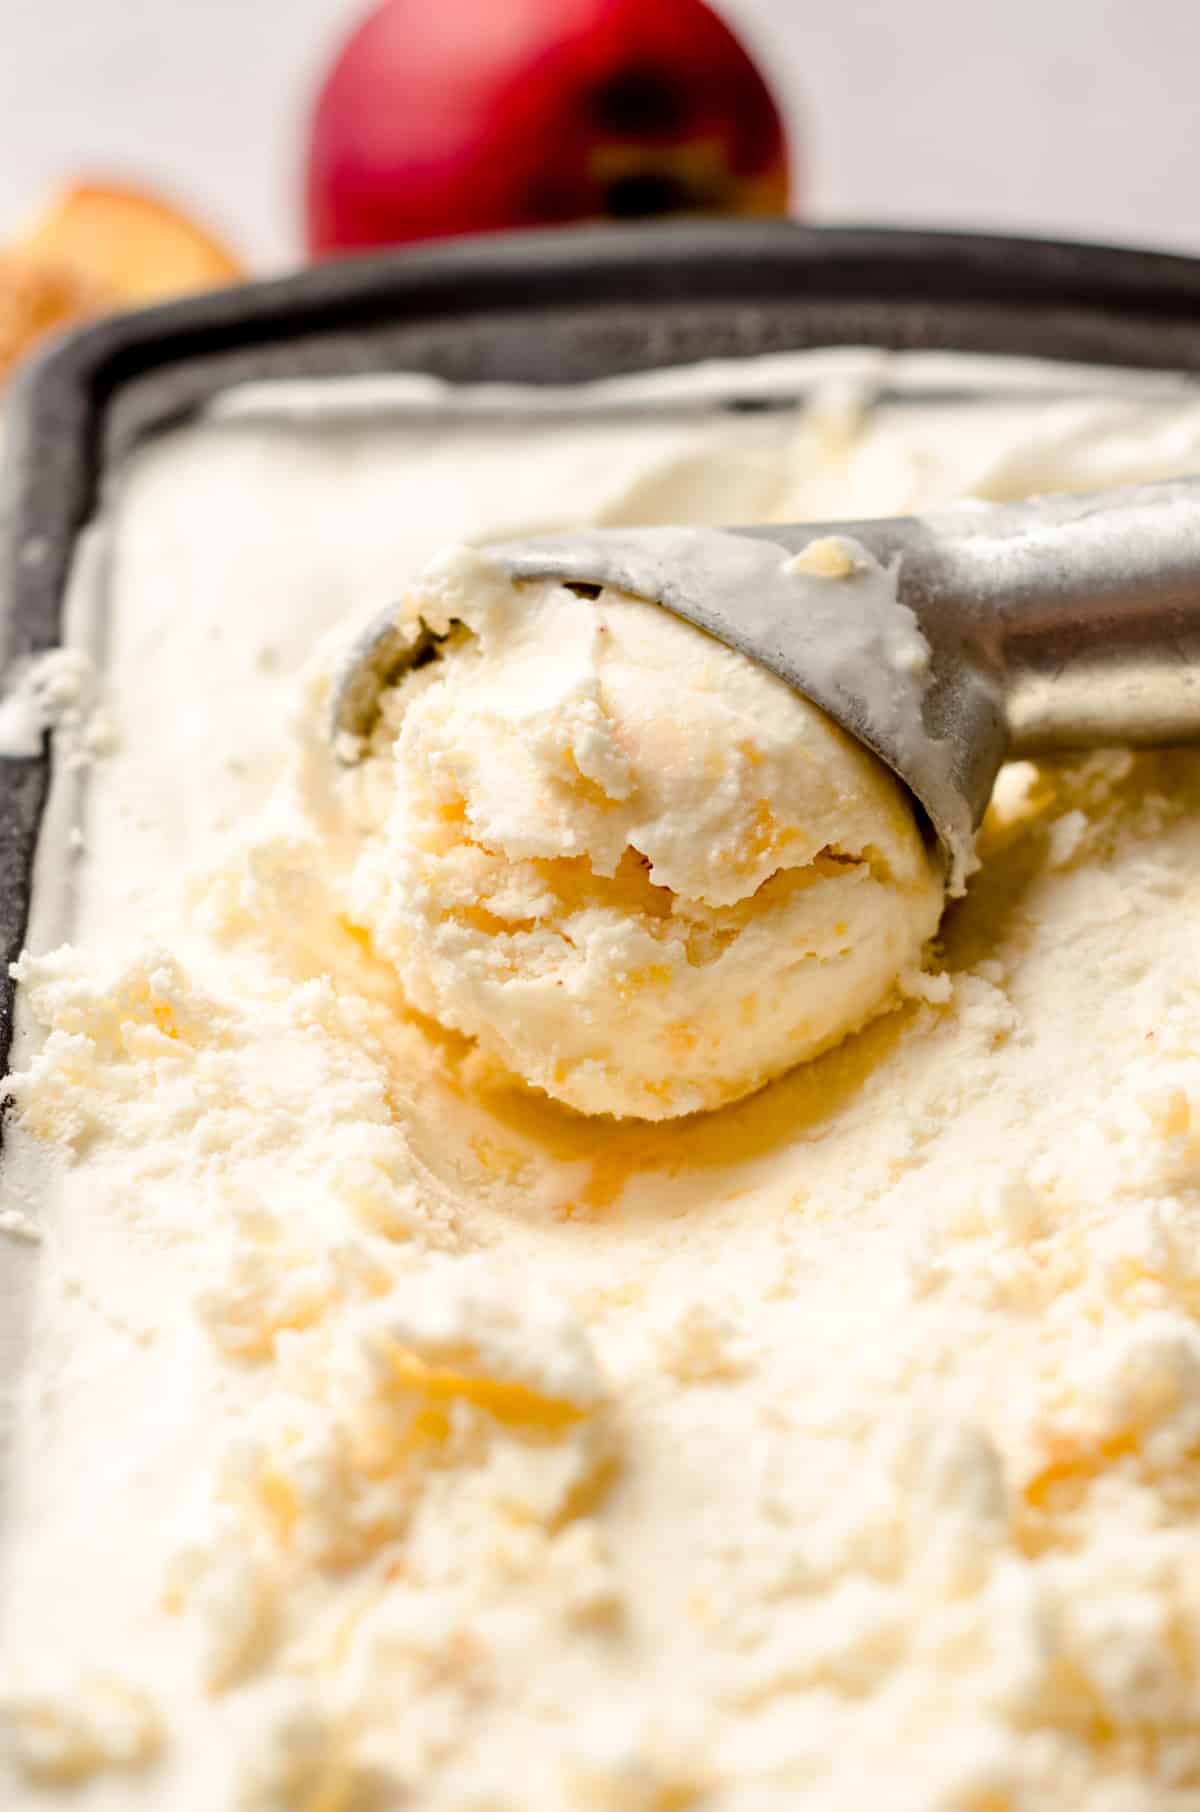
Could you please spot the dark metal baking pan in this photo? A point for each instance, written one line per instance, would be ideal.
(556, 307)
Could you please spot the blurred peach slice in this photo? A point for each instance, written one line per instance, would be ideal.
(138, 247)
(36, 297)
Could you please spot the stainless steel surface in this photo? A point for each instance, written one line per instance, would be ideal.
(1062, 623)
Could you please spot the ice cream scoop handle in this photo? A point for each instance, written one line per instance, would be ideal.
(1083, 611)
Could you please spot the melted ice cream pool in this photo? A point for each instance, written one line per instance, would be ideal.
(383, 1426)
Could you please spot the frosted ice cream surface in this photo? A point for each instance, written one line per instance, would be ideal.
(641, 872)
(390, 1434)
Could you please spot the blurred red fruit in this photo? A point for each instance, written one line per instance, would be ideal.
(456, 116)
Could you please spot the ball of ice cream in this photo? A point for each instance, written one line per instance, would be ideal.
(640, 871)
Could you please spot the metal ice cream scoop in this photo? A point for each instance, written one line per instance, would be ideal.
(946, 643)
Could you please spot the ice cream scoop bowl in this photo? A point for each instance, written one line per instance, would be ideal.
(946, 643)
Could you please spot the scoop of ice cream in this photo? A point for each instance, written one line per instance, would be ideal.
(640, 871)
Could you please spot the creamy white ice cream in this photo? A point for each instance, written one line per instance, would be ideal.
(392, 1438)
(641, 872)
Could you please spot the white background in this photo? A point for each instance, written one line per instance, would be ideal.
(1061, 116)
